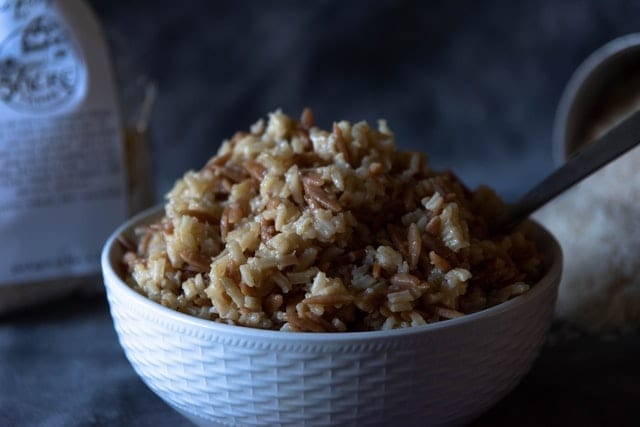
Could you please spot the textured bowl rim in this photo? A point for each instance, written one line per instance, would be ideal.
(113, 281)
(596, 62)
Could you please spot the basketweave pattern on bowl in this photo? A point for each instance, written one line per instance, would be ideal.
(441, 374)
(238, 381)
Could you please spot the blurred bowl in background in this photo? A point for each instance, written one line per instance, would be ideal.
(597, 221)
(438, 374)
(603, 90)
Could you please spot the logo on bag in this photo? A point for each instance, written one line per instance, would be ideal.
(39, 67)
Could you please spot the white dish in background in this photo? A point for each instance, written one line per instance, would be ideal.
(445, 373)
(597, 221)
(604, 69)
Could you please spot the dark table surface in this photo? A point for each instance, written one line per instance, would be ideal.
(62, 366)
(474, 84)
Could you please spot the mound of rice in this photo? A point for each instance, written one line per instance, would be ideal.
(295, 228)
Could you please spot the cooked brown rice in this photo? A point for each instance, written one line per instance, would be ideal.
(295, 228)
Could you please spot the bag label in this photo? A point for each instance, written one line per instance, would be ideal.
(62, 176)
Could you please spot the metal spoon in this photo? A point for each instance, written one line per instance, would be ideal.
(617, 141)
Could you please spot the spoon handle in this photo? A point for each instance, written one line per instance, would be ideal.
(589, 159)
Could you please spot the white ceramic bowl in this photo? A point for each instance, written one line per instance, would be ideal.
(446, 373)
(599, 72)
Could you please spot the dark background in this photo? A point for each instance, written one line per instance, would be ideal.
(475, 84)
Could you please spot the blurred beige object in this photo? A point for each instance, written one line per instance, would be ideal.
(598, 221)
(140, 186)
